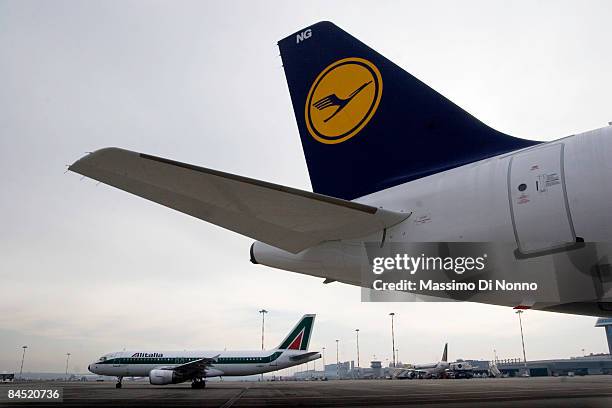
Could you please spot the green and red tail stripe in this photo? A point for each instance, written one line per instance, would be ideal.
(299, 337)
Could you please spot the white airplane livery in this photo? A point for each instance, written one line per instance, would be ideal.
(392, 162)
(434, 369)
(431, 370)
(173, 367)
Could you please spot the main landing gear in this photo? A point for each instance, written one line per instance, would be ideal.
(118, 385)
(198, 383)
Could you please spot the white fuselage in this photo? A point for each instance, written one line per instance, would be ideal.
(566, 198)
(228, 363)
(432, 369)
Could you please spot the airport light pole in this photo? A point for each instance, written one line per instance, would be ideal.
(393, 336)
(519, 313)
(337, 360)
(22, 359)
(357, 331)
(323, 355)
(263, 321)
(67, 359)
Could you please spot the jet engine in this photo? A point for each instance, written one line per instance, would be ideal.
(163, 377)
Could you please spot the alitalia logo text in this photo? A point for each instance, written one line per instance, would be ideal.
(147, 355)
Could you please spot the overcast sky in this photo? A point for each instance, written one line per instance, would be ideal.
(89, 269)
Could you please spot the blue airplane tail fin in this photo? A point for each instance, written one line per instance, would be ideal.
(367, 125)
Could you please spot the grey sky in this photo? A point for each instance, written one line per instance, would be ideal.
(88, 269)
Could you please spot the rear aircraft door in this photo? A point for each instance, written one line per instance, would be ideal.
(538, 201)
(274, 362)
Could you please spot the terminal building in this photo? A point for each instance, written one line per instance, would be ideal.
(592, 364)
(331, 371)
(587, 365)
(344, 370)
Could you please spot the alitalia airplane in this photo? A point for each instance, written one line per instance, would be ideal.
(393, 162)
(173, 367)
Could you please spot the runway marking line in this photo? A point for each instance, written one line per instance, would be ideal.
(235, 398)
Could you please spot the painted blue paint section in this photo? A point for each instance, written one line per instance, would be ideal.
(609, 338)
(603, 321)
(414, 133)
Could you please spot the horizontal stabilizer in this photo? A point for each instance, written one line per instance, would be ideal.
(304, 356)
(284, 217)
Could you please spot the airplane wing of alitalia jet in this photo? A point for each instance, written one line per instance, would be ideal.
(192, 369)
(280, 216)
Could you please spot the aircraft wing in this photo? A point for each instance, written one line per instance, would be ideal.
(193, 368)
(280, 216)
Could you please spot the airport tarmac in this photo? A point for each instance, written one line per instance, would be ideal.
(589, 391)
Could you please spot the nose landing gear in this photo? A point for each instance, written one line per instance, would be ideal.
(118, 385)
